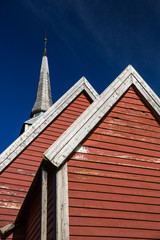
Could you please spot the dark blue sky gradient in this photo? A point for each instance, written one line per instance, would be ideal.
(92, 38)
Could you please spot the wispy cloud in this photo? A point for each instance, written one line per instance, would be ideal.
(105, 28)
(74, 21)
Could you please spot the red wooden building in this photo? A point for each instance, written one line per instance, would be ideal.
(87, 168)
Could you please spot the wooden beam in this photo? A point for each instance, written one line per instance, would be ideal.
(44, 192)
(6, 229)
(62, 210)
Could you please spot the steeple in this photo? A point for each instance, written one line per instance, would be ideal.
(43, 98)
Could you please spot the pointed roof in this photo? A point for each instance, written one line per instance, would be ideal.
(44, 97)
(43, 121)
(58, 152)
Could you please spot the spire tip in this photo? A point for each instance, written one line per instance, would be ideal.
(45, 43)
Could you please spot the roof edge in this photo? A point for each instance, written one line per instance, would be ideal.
(33, 131)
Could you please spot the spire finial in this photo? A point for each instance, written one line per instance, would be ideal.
(45, 43)
(45, 39)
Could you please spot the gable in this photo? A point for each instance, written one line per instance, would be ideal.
(65, 145)
(40, 124)
(113, 175)
(17, 177)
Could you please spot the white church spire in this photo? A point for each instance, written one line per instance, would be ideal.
(44, 97)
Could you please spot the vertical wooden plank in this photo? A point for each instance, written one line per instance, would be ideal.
(44, 203)
(62, 211)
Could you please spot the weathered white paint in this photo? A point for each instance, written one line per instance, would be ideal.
(64, 146)
(40, 124)
(9, 205)
(6, 229)
(62, 209)
(147, 92)
(44, 65)
(44, 192)
(81, 149)
(80, 157)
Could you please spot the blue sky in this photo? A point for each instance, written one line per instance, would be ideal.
(92, 38)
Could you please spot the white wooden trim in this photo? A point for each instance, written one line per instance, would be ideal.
(42, 122)
(147, 92)
(58, 151)
(8, 228)
(44, 192)
(70, 139)
(62, 209)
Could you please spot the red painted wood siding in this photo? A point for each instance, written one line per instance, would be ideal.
(114, 183)
(33, 214)
(17, 178)
(30, 223)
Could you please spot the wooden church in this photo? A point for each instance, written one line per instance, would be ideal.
(86, 167)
